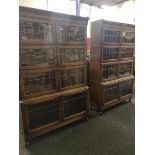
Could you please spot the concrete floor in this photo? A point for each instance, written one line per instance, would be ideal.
(109, 134)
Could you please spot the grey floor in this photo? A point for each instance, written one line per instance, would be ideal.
(109, 134)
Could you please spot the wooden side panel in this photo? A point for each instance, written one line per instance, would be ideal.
(96, 33)
(95, 74)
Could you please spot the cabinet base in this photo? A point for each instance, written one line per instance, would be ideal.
(40, 131)
(111, 104)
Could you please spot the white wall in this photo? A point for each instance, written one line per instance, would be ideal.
(124, 12)
(40, 4)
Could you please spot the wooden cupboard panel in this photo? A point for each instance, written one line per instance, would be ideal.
(43, 113)
(75, 104)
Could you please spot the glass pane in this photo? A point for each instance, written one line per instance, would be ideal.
(126, 87)
(36, 57)
(125, 69)
(111, 92)
(111, 36)
(39, 82)
(43, 114)
(65, 81)
(35, 31)
(126, 53)
(71, 33)
(109, 71)
(72, 77)
(128, 37)
(110, 53)
(71, 55)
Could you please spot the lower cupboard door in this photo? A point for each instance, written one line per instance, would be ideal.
(111, 92)
(74, 104)
(43, 113)
(126, 87)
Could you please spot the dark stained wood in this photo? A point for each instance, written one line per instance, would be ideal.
(53, 70)
(111, 62)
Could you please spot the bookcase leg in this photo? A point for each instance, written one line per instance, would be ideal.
(86, 119)
(27, 142)
(100, 112)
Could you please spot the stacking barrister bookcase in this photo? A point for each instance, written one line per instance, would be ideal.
(111, 63)
(53, 90)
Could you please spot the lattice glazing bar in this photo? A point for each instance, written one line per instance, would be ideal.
(39, 82)
(71, 33)
(128, 37)
(71, 55)
(110, 53)
(111, 36)
(36, 57)
(35, 31)
(125, 69)
(127, 53)
(109, 71)
(72, 77)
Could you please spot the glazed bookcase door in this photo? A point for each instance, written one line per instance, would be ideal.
(72, 77)
(70, 33)
(36, 31)
(43, 114)
(126, 53)
(32, 57)
(111, 36)
(71, 55)
(126, 87)
(111, 93)
(128, 37)
(110, 53)
(125, 69)
(38, 82)
(74, 104)
(109, 71)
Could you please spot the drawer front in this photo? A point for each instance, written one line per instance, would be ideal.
(71, 56)
(37, 57)
(110, 54)
(74, 104)
(126, 87)
(43, 114)
(38, 83)
(72, 77)
(111, 92)
(68, 33)
(125, 69)
(109, 71)
(36, 31)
